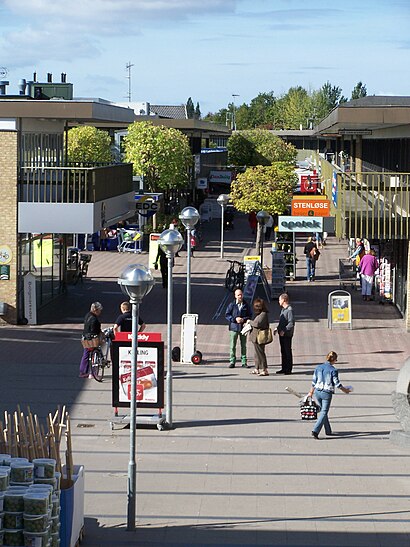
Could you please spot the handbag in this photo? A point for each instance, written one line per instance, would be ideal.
(308, 409)
(264, 336)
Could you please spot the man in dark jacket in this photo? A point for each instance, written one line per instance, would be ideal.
(312, 254)
(285, 329)
(237, 313)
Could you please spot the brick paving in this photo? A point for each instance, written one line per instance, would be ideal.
(240, 467)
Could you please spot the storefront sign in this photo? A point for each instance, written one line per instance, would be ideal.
(30, 299)
(310, 207)
(4, 273)
(6, 254)
(224, 177)
(300, 224)
(308, 183)
(149, 371)
(249, 262)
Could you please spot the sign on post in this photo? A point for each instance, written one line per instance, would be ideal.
(150, 370)
(310, 207)
(300, 224)
(339, 312)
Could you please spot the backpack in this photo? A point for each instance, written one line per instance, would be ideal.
(314, 253)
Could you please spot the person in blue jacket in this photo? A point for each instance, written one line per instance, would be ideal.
(237, 313)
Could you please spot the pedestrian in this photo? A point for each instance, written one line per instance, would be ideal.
(253, 221)
(123, 323)
(163, 266)
(312, 255)
(268, 228)
(368, 266)
(285, 329)
(259, 322)
(193, 243)
(237, 313)
(104, 239)
(91, 330)
(174, 226)
(325, 379)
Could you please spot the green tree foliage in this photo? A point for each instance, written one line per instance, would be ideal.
(88, 144)
(359, 91)
(295, 108)
(259, 147)
(162, 155)
(219, 117)
(264, 187)
(197, 112)
(258, 113)
(190, 109)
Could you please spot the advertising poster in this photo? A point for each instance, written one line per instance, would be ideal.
(340, 309)
(150, 371)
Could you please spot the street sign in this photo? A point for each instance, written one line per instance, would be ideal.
(310, 207)
(300, 224)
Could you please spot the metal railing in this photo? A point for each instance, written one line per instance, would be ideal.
(374, 205)
(74, 184)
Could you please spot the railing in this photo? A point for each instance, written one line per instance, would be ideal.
(74, 184)
(373, 205)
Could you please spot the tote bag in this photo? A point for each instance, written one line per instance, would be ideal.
(264, 336)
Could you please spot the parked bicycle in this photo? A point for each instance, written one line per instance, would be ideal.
(99, 357)
(82, 268)
(235, 276)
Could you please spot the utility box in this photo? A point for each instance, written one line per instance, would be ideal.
(3, 308)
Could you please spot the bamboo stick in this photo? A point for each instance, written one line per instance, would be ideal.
(69, 452)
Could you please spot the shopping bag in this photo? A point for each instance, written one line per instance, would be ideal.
(308, 409)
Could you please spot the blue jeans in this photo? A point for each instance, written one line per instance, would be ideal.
(310, 268)
(324, 398)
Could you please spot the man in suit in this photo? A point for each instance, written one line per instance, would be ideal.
(237, 313)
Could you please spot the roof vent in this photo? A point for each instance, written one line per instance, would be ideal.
(49, 78)
(3, 85)
(22, 87)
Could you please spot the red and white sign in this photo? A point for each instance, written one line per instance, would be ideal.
(142, 337)
(310, 207)
(308, 183)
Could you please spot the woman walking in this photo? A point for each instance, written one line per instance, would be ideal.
(259, 322)
(325, 379)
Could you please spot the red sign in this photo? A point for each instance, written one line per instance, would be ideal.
(142, 337)
(308, 183)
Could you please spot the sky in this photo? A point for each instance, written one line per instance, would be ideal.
(209, 50)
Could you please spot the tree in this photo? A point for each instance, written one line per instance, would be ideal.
(160, 154)
(220, 117)
(197, 112)
(359, 91)
(87, 144)
(259, 147)
(296, 107)
(190, 109)
(264, 187)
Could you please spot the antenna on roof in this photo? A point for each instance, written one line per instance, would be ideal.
(128, 67)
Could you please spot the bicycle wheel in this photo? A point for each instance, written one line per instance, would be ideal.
(97, 368)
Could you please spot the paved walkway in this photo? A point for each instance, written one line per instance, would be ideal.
(240, 467)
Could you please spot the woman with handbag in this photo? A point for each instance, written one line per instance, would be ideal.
(260, 324)
(91, 337)
(325, 379)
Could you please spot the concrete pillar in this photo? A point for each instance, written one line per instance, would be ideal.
(8, 224)
(359, 154)
(407, 316)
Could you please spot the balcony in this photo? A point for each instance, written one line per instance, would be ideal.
(74, 184)
(74, 199)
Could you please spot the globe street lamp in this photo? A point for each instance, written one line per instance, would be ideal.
(135, 281)
(189, 217)
(262, 217)
(170, 242)
(223, 201)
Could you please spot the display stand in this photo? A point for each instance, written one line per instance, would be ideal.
(278, 273)
(150, 378)
(286, 243)
(129, 240)
(254, 281)
(339, 309)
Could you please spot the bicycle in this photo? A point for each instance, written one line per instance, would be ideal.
(82, 268)
(98, 359)
(235, 276)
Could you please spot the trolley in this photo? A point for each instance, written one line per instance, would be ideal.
(129, 240)
(187, 353)
(347, 273)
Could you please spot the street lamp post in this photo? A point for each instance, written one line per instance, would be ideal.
(135, 281)
(262, 218)
(189, 217)
(171, 242)
(222, 200)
